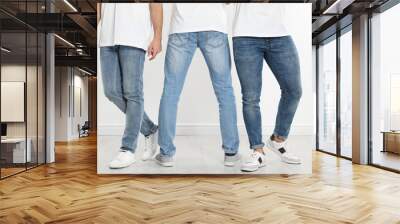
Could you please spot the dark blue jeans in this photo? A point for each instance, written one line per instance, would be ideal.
(280, 53)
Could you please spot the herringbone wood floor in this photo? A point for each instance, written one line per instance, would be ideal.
(70, 191)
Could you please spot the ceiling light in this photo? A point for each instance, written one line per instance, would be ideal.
(70, 5)
(65, 41)
(337, 7)
(5, 50)
(84, 71)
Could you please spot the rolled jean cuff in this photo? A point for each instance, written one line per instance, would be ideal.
(127, 149)
(169, 154)
(258, 146)
(277, 134)
(152, 131)
(228, 150)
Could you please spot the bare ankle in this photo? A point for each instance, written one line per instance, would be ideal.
(278, 139)
(260, 150)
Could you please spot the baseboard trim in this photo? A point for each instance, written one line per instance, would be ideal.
(203, 129)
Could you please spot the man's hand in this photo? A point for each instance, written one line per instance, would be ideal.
(154, 48)
(156, 13)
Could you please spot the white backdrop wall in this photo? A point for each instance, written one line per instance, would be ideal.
(198, 109)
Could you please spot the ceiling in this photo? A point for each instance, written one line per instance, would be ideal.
(332, 15)
(74, 21)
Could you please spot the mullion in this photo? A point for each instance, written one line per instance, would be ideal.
(369, 77)
(37, 90)
(26, 87)
(47, 5)
(317, 94)
(0, 96)
(338, 96)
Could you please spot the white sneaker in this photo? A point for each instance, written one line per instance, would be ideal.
(254, 162)
(124, 159)
(150, 146)
(279, 149)
(164, 160)
(231, 160)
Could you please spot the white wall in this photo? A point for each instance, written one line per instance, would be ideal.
(80, 83)
(33, 125)
(61, 103)
(68, 81)
(198, 110)
(17, 73)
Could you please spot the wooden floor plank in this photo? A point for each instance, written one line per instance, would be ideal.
(70, 191)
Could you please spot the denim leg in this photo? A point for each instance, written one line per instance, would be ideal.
(148, 127)
(249, 55)
(111, 76)
(131, 63)
(215, 49)
(112, 82)
(180, 51)
(283, 60)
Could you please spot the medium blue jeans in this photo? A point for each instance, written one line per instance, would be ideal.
(122, 74)
(280, 53)
(180, 50)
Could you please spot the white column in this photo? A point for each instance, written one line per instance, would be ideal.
(360, 90)
(50, 99)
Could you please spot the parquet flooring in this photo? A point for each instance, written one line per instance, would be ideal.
(7, 171)
(70, 191)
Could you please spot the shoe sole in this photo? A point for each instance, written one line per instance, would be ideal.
(229, 164)
(255, 168)
(168, 164)
(120, 167)
(290, 162)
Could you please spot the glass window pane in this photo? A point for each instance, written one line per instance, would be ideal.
(22, 86)
(327, 96)
(13, 86)
(386, 89)
(31, 100)
(346, 93)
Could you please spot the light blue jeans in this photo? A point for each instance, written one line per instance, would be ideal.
(280, 53)
(122, 74)
(180, 50)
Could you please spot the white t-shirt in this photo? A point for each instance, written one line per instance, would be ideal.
(196, 17)
(127, 24)
(259, 20)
